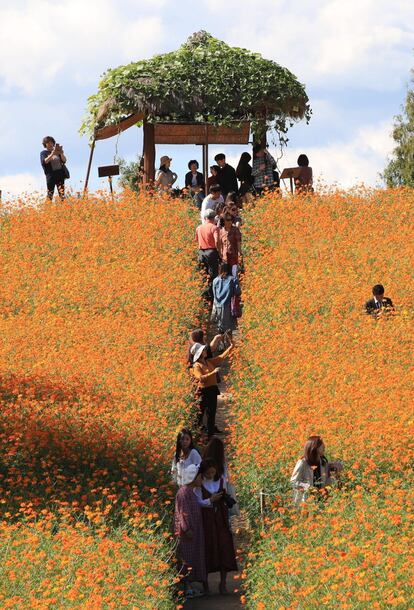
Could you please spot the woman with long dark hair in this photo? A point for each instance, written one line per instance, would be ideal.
(313, 470)
(218, 539)
(214, 450)
(186, 459)
(244, 174)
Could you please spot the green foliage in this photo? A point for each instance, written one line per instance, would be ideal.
(205, 80)
(130, 174)
(400, 169)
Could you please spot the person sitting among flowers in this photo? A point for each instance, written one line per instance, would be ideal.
(312, 471)
(379, 303)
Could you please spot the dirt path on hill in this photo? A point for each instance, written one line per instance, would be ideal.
(239, 525)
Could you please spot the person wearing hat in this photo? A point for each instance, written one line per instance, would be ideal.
(205, 370)
(165, 178)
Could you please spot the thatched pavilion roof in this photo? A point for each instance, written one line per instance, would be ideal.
(204, 81)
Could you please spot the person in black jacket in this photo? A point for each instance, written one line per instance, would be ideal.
(378, 304)
(244, 174)
(226, 175)
(194, 181)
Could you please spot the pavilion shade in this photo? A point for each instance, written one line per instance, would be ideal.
(196, 133)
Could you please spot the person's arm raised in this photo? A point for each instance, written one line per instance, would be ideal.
(223, 356)
(203, 376)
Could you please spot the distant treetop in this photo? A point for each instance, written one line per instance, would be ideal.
(205, 80)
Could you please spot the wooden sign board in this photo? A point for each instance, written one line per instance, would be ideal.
(291, 172)
(199, 133)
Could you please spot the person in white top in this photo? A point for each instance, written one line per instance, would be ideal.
(218, 539)
(313, 470)
(186, 460)
(212, 201)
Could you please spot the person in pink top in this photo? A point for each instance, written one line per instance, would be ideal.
(208, 240)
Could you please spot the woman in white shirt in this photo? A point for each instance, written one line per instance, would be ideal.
(218, 539)
(313, 470)
(186, 459)
(165, 178)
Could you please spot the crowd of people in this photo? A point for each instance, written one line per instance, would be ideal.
(247, 180)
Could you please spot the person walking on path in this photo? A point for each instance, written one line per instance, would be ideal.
(218, 539)
(189, 530)
(197, 336)
(230, 244)
(313, 470)
(205, 371)
(212, 201)
(225, 287)
(186, 459)
(227, 178)
(208, 240)
(53, 161)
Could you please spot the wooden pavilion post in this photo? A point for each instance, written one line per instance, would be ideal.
(88, 171)
(205, 160)
(149, 152)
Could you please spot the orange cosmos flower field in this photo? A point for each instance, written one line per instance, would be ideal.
(312, 362)
(96, 301)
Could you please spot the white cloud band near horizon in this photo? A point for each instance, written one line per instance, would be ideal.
(354, 57)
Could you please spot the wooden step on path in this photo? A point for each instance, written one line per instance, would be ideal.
(215, 601)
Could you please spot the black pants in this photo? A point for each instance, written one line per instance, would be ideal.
(208, 404)
(55, 179)
(209, 261)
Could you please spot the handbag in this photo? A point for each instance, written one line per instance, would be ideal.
(234, 510)
(65, 170)
(235, 305)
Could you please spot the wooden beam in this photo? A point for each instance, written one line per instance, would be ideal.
(149, 153)
(88, 171)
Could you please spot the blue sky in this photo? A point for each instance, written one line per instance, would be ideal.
(354, 58)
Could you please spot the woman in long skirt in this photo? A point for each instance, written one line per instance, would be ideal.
(188, 527)
(219, 546)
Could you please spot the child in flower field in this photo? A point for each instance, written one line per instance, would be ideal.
(186, 459)
(313, 470)
(188, 527)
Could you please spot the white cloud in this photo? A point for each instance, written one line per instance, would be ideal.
(348, 43)
(18, 184)
(347, 163)
(71, 39)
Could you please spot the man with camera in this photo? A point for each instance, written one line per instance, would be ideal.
(53, 162)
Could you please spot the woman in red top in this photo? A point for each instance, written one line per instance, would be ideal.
(230, 243)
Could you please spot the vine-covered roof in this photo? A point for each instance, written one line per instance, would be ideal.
(205, 80)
